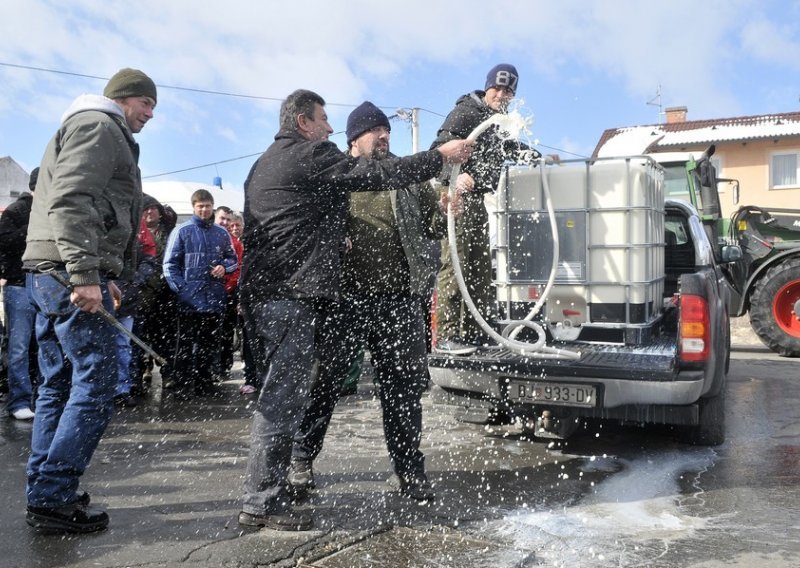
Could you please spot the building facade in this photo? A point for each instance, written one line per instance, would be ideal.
(762, 152)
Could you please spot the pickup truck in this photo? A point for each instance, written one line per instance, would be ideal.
(668, 368)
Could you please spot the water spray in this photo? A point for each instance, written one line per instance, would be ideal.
(511, 124)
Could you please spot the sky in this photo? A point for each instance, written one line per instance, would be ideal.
(584, 66)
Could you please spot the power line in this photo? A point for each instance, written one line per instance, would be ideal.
(562, 151)
(202, 166)
(174, 87)
(209, 92)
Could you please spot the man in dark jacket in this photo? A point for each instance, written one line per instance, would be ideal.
(84, 225)
(296, 199)
(386, 275)
(457, 332)
(20, 312)
(198, 256)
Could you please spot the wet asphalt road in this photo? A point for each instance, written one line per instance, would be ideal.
(170, 475)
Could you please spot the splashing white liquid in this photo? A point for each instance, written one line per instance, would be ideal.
(632, 518)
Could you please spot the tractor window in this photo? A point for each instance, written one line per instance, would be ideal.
(676, 183)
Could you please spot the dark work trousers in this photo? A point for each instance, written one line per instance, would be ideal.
(250, 345)
(284, 357)
(194, 356)
(453, 319)
(158, 321)
(391, 326)
(225, 356)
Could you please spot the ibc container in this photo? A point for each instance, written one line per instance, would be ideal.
(610, 220)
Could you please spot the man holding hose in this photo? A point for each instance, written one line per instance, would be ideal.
(457, 331)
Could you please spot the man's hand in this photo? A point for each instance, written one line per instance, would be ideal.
(456, 204)
(465, 182)
(87, 298)
(218, 271)
(456, 151)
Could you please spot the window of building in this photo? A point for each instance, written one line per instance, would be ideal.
(783, 170)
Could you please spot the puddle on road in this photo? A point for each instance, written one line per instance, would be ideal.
(631, 518)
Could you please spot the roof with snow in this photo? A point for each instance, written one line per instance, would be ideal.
(178, 194)
(634, 140)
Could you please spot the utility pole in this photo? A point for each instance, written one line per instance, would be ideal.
(413, 118)
(414, 130)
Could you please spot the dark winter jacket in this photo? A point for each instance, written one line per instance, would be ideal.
(132, 291)
(394, 235)
(193, 249)
(88, 201)
(296, 199)
(13, 229)
(490, 151)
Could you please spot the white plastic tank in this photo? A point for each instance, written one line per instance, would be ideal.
(610, 219)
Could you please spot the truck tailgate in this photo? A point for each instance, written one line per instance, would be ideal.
(656, 361)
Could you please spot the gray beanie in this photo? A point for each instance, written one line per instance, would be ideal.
(502, 75)
(130, 83)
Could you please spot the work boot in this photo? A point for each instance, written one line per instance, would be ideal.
(417, 487)
(284, 521)
(72, 518)
(300, 478)
(455, 346)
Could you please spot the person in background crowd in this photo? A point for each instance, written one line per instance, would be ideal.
(198, 256)
(224, 355)
(127, 313)
(83, 225)
(251, 385)
(296, 199)
(457, 332)
(236, 226)
(386, 276)
(158, 315)
(20, 311)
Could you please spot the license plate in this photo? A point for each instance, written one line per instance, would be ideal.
(552, 393)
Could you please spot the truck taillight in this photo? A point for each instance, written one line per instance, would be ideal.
(695, 329)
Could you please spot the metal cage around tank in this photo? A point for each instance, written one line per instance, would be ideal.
(610, 219)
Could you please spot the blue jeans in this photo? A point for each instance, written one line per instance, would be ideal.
(124, 351)
(21, 317)
(78, 363)
(284, 359)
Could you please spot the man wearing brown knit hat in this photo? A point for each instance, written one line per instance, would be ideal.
(83, 225)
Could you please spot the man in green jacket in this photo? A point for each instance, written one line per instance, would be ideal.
(386, 277)
(84, 224)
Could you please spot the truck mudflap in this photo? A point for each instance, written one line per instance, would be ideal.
(655, 362)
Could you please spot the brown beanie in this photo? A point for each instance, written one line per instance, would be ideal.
(130, 83)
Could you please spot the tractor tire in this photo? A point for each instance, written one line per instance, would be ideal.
(772, 308)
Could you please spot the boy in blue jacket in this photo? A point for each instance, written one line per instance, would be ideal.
(198, 256)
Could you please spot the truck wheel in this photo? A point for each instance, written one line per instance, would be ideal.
(710, 431)
(773, 308)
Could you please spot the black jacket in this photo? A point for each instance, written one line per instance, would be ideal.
(13, 230)
(296, 202)
(490, 151)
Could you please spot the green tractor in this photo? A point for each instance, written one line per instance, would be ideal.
(763, 268)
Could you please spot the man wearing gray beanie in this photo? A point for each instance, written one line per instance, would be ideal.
(84, 224)
(457, 332)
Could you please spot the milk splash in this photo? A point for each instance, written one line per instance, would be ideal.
(632, 518)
